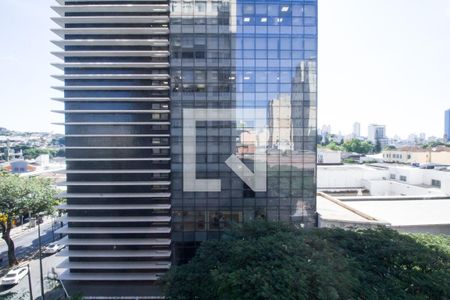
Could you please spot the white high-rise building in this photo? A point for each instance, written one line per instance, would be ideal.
(376, 133)
(356, 130)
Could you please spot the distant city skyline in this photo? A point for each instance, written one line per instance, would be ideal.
(384, 62)
(365, 133)
(378, 74)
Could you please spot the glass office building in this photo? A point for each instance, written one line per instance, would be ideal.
(182, 118)
(243, 55)
(117, 122)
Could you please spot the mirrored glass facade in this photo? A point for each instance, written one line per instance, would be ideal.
(243, 56)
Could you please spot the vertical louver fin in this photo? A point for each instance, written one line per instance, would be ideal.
(114, 60)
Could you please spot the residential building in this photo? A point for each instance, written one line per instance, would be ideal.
(13, 154)
(410, 214)
(329, 157)
(43, 160)
(280, 123)
(422, 137)
(384, 179)
(17, 140)
(325, 130)
(413, 155)
(413, 139)
(404, 198)
(356, 130)
(377, 134)
(447, 126)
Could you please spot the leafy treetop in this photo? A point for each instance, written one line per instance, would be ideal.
(265, 260)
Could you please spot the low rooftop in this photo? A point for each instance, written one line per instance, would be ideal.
(420, 149)
(420, 214)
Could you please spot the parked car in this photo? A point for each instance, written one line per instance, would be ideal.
(14, 276)
(427, 166)
(52, 248)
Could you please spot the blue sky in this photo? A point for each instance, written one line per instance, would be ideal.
(384, 61)
(380, 61)
(25, 71)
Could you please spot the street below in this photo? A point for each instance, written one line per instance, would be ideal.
(26, 244)
(21, 290)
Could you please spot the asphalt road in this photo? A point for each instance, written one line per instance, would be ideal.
(27, 243)
(26, 247)
(21, 290)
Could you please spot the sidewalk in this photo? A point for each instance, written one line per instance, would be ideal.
(25, 241)
(22, 229)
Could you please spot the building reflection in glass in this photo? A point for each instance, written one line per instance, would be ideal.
(240, 55)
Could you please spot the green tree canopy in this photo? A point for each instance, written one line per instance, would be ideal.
(377, 147)
(435, 144)
(358, 146)
(273, 261)
(334, 146)
(32, 153)
(21, 195)
(390, 147)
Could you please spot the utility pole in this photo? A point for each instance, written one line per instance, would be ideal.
(53, 230)
(40, 262)
(29, 282)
